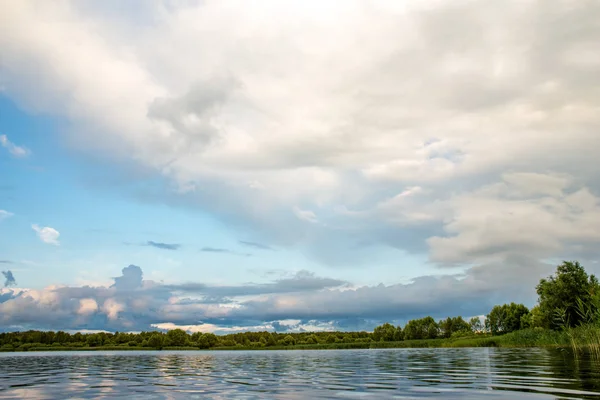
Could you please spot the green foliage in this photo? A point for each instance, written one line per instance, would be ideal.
(424, 328)
(475, 324)
(156, 341)
(177, 337)
(387, 333)
(288, 340)
(505, 318)
(449, 326)
(205, 341)
(558, 296)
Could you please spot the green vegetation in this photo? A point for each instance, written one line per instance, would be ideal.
(567, 315)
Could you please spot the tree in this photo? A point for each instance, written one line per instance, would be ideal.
(156, 341)
(424, 328)
(386, 333)
(177, 337)
(453, 325)
(475, 324)
(559, 295)
(312, 339)
(289, 340)
(206, 340)
(93, 340)
(506, 318)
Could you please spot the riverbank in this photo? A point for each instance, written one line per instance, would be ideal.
(580, 338)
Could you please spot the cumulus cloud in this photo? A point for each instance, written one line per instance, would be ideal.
(464, 130)
(12, 148)
(9, 278)
(46, 234)
(301, 302)
(163, 246)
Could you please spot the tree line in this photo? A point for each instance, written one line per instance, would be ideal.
(569, 298)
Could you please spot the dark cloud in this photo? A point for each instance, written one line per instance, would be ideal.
(9, 278)
(163, 246)
(255, 245)
(223, 251)
(130, 280)
(303, 281)
(303, 301)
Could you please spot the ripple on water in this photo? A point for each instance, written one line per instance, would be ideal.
(353, 374)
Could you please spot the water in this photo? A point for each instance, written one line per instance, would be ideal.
(355, 374)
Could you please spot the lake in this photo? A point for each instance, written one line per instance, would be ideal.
(354, 374)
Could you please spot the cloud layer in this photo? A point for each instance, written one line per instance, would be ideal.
(466, 132)
(461, 129)
(303, 301)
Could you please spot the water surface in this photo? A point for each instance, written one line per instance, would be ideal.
(363, 374)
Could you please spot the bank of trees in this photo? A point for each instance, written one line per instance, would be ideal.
(567, 299)
(176, 338)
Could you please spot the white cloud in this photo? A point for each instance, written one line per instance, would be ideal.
(12, 148)
(193, 306)
(47, 234)
(306, 215)
(5, 214)
(112, 308)
(87, 306)
(335, 107)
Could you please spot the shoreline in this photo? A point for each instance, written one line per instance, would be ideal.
(502, 341)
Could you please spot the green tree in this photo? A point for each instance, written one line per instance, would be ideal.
(156, 341)
(312, 339)
(289, 340)
(424, 328)
(93, 340)
(559, 295)
(505, 318)
(475, 324)
(385, 333)
(177, 337)
(206, 340)
(450, 326)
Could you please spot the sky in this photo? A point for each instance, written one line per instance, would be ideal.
(221, 166)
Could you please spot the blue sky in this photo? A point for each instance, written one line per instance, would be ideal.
(294, 165)
(104, 226)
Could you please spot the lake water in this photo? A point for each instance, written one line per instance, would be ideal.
(354, 374)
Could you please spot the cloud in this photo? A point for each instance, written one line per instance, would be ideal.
(223, 251)
(5, 262)
(413, 126)
(12, 148)
(5, 214)
(9, 278)
(164, 246)
(302, 281)
(47, 234)
(130, 279)
(303, 301)
(255, 245)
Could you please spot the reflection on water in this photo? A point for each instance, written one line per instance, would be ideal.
(391, 373)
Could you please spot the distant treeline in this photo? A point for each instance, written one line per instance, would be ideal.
(570, 298)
